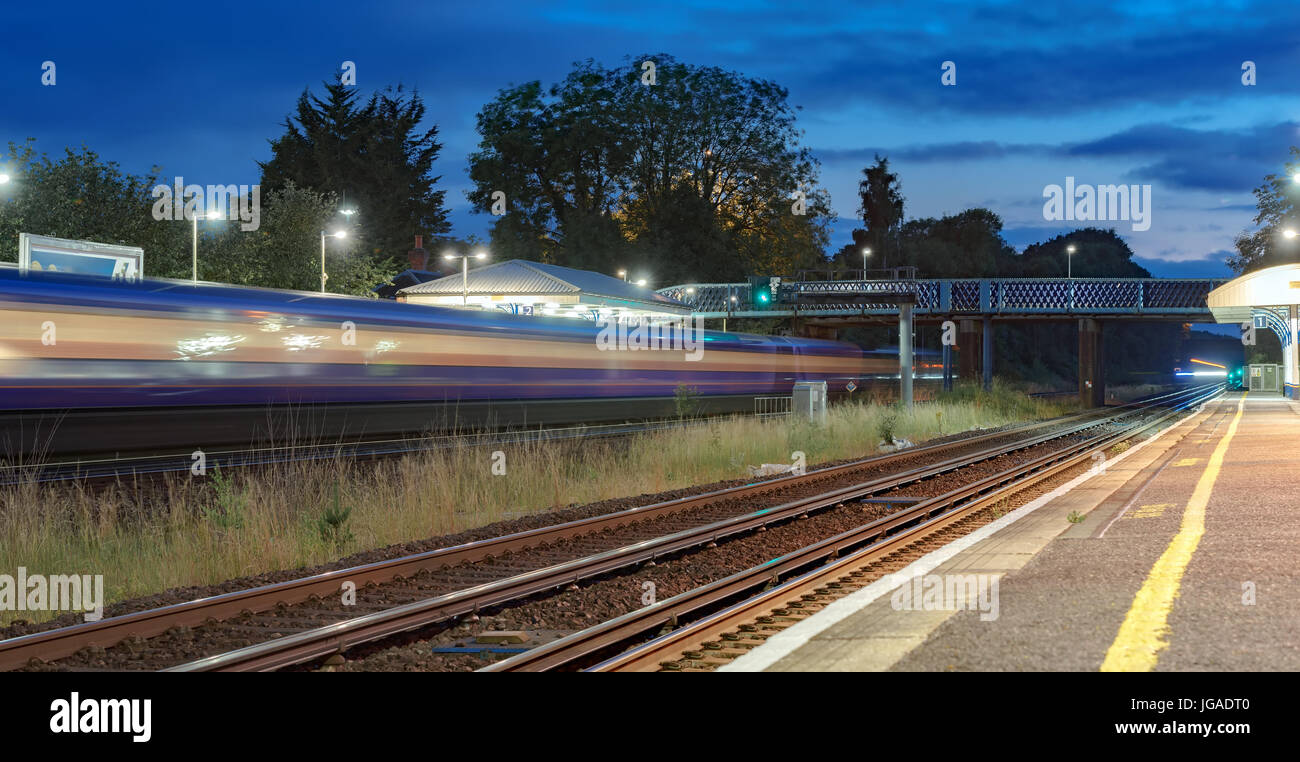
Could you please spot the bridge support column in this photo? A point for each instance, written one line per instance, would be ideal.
(968, 342)
(905, 354)
(988, 353)
(1092, 371)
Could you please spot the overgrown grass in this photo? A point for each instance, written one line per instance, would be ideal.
(202, 530)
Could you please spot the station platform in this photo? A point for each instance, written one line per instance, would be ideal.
(1182, 556)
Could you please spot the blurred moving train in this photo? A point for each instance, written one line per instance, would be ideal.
(93, 365)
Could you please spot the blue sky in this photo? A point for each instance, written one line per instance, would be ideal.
(1126, 92)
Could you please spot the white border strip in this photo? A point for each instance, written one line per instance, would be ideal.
(792, 638)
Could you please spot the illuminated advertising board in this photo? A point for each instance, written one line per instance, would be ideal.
(46, 254)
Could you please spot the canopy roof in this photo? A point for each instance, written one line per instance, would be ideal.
(518, 277)
(1271, 287)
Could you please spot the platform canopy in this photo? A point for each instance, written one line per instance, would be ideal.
(1276, 287)
(1268, 298)
(535, 288)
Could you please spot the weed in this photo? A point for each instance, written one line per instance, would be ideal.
(229, 510)
(333, 523)
(886, 427)
(686, 401)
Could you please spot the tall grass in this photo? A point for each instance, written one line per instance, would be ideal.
(202, 530)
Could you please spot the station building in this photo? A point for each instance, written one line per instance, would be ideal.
(532, 288)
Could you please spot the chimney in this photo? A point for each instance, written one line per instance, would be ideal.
(418, 257)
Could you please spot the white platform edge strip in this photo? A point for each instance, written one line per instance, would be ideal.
(792, 638)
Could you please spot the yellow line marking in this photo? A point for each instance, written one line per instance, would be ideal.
(1149, 511)
(1142, 636)
(1187, 462)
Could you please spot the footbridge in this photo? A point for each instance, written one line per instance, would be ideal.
(820, 302)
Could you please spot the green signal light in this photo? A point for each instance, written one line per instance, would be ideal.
(762, 296)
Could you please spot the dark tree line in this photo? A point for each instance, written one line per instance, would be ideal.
(686, 173)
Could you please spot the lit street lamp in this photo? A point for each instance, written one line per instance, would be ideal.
(464, 272)
(1069, 258)
(194, 251)
(623, 274)
(641, 282)
(866, 252)
(323, 276)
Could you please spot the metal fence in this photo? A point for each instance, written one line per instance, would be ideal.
(769, 407)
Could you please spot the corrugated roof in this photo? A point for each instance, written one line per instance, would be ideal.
(519, 276)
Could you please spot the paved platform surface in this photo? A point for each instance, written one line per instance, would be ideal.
(1187, 558)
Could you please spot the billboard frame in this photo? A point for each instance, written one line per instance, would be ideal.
(130, 254)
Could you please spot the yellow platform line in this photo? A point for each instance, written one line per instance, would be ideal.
(1142, 636)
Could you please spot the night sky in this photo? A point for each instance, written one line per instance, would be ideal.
(1128, 92)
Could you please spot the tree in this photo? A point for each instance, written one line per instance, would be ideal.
(84, 197)
(964, 245)
(1098, 254)
(1275, 201)
(372, 157)
(881, 207)
(284, 252)
(697, 172)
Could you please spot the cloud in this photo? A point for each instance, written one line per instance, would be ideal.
(959, 151)
(1176, 157)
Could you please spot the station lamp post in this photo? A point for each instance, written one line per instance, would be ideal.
(866, 252)
(464, 272)
(323, 276)
(1069, 259)
(194, 248)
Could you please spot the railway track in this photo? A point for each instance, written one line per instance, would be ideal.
(462, 594)
(731, 616)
